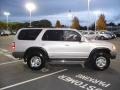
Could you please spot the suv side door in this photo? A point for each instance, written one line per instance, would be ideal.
(64, 44)
(74, 47)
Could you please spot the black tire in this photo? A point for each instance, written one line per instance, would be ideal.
(102, 37)
(36, 61)
(96, 38)
(100, 61)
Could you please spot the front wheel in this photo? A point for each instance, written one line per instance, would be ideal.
(36, 61)
(102, 37)
(100, 61)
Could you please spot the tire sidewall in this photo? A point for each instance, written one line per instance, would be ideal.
(102, 37)
(38, 54)
(97, 55)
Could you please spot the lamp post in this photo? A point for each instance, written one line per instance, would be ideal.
(7, 15)
(70, 16)
(88, 14)
(30, 7)
(96, 15)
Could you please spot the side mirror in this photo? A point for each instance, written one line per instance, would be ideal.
(82, 39)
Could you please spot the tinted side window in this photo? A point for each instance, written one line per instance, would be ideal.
(85, 33)
(91, 33)
(30, 34)
(53, 35)
(71, 36)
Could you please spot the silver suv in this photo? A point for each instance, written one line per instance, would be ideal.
(40, 45)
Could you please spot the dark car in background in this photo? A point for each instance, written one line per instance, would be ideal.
(117, 33)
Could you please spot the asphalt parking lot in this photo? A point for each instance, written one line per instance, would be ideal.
(15, 75)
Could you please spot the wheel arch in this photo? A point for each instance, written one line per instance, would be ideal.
(105, 50)
(36, 49)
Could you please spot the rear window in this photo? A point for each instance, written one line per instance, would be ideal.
(30, 34)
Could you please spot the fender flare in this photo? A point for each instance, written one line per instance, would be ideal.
(106, 50)
(31, 49)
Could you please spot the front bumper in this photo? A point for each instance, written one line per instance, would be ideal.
(113, 55)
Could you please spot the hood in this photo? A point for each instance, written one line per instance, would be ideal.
(99, 43)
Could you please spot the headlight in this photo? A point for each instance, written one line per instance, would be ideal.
(113, 47)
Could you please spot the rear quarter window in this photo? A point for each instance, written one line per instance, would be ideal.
(30, 34)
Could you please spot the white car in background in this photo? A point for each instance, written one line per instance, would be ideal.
(89, 34)
(5, 33)
(111, 33)
(100, 35)
(103, 35)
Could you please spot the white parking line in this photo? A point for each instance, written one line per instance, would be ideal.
(10, 56)
(10, 62)
(4, 50)
(6, 53)
(27, 81)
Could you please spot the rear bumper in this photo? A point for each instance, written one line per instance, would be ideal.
(18, 54)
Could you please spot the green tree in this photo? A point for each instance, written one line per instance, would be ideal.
(42, 24)
(26, 24)
(45, 23)
(2, 25)
(12, 25)
(101, 23)
(75, 23)
(36, 24)
(58, 24)
(15, 26)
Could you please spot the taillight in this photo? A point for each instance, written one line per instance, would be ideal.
(13, 45)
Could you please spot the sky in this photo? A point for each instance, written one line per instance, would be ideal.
(59, 10)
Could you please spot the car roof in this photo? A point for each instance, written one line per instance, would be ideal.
(49, 28)
(88, 31)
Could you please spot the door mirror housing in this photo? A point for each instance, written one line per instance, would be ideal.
(82, 39)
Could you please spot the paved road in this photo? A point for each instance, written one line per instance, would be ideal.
(15, 75)
(6, 41)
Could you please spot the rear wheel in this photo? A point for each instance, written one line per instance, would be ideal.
(102, 37)
(36, 61)
(100, 61)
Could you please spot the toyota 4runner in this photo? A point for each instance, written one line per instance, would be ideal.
(41, 45)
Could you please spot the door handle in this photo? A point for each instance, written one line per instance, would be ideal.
(67, 45)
